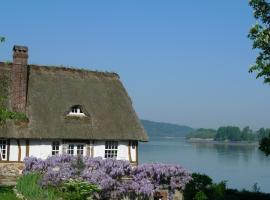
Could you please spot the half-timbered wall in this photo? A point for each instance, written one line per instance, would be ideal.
(19, 149)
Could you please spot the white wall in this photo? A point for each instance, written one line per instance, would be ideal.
(13, 150)
(23, 149)
(122, 150)
(43, 149)
(99, 149)
(122, 154)
(133, 153)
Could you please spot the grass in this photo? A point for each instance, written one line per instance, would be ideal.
(6, 193)
(28, 185)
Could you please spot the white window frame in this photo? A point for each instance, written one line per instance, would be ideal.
(111, 149)
(56, 148)
(76, 149)
(3, 149)
(76, 111)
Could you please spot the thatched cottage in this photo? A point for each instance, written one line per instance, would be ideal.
(68, 111)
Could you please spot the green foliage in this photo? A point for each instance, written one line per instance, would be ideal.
(202, 134)
(217, 191)
(265, 145)
(29, 186)
(260, 35)
(262, 133)
(6, 193)
(79, 190)
(160, 129)
(256, 188)
(199, 183)
(6, 114)
(201, 187)
(78, 165)
(233, 133)
(264, 137)
(232, 194)
(2, 39)
(200, 196)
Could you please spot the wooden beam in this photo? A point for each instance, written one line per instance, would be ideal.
(8, 149)
(27, 148)
(19, 150)
(129, 151)
(4, 161)
(137, 156)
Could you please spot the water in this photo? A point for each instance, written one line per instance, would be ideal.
(240, 165)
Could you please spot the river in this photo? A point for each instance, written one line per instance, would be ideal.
(240, 165)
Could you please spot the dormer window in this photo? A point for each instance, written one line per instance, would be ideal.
(76, 111)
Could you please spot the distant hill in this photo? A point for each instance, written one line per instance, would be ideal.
(161, 129)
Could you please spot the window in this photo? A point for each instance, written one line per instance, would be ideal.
(76, 111)
(75, 149)
(55, 147)
(133, 144)
(70, 149)
(80, 149)
(111, 148)
(3, 149)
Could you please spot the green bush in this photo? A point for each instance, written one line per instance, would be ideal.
(199, 183)
(29, 186)
(217, 191)
(6, 193)
(200, 196)
(78, 190)
(201, 187)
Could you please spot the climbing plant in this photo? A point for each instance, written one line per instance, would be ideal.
(5, 113)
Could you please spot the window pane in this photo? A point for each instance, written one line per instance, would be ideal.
(55, 147)
(79, 149)
(71, 149)
(111, 149)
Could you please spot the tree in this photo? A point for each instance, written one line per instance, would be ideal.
(260, 35)
(265, 145)
(2, 39)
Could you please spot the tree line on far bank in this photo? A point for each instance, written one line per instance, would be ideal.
(230, 133)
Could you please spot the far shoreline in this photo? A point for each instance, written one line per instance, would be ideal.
(212, 141)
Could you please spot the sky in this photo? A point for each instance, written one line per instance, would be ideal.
(183, 62)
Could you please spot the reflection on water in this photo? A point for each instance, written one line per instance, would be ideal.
(239, 152)
(240, 165)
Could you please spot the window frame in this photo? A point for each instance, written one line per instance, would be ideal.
(3, 142)
(76, 151)
(76, 110)
(55, 148)
(111, 149)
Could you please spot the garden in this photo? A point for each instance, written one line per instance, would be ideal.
(81, 178)
(68, 177)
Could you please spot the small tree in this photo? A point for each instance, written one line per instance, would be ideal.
(260, 35)
(2, 39)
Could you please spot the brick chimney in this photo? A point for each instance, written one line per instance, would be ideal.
(19, 77)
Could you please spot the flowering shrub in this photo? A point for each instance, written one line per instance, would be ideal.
(115, 178)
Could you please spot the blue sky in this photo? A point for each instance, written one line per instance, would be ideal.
(184, 62)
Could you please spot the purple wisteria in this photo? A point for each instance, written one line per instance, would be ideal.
(116, 178)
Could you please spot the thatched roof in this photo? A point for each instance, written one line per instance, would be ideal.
(52, 91)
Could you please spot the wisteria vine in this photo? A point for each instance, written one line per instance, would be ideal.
(116, 178)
